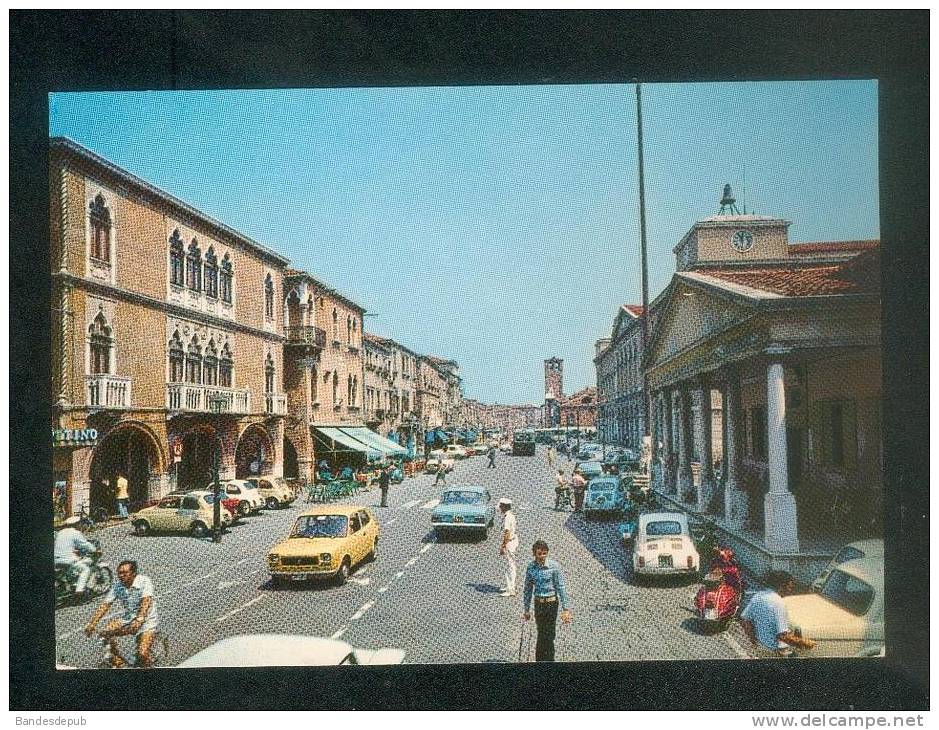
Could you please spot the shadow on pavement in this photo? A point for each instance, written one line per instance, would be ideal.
(313, 585)
(602, 541)
(484, 587)
(456, 537)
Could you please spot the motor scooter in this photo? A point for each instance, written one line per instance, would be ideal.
(716, 603)
(99, 582)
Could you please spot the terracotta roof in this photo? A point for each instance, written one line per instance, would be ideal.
(634, 309)
(860, 275)
(832, 246)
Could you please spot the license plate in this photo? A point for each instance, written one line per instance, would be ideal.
(457, 519)
(298, 576)
(710, 614)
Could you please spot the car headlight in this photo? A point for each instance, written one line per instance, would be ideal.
(273, 559)
(325, 557)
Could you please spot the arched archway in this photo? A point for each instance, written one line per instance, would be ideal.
(293, 318)
(254, 454)
(291, 467)
(194, 470)
(131, 451)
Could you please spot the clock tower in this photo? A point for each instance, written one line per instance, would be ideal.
(729, 238)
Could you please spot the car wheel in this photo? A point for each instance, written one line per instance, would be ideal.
(244, 509)
(271, 503)
(141, 527)
(373, 552)
(278, 582)
(199, 529)
(343, 573)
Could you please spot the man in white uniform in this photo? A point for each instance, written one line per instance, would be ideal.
(509, 545)
(766, 620)
(71, 550)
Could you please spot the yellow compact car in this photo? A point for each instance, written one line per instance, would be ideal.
(325, 542)
(192, 512)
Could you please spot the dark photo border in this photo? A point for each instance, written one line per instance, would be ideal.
(166, 50)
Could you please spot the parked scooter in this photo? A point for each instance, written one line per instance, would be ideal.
(718, 600)
(99, 582)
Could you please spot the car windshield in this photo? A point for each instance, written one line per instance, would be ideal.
(321, 526)
(663, 527)
(846, 554)
(604, 486)
(461, 497)
(251, 485)
(852, 594)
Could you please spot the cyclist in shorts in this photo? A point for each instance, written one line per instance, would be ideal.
(137, 615)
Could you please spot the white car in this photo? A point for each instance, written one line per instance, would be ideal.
(286, 650)
(506, 447)
(663, 546)
(247, 493)
(851, 551)
(846, 617)
(455, 451)
(437, 460)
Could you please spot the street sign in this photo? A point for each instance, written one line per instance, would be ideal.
(178, 450)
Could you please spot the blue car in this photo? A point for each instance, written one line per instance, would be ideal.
(463, 509)
(605, 496)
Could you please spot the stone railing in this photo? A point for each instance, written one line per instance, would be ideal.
(107, 391)
(303, 334)
(275, 404)
(190, 397)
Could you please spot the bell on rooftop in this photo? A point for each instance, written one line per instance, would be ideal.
(728, 202)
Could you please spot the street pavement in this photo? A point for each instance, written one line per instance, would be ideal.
(437, 600)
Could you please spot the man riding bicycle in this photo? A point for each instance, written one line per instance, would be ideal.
(138, 614)
(71, 553)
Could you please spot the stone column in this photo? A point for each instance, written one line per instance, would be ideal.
(735, 500)
(706, 487)
(668, 432)
(685, 478)
(781, 529)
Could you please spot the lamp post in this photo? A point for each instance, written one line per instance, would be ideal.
(217, 403)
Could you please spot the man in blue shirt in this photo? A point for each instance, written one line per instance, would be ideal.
(544, 583)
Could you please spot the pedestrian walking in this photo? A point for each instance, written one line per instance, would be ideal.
(492, 457)
(509, 545)
(441, 477)
(384, 480)
(121, 496)
(552, 456)
(545, 585)
(560, 489)
(579, 486)
(766, 620)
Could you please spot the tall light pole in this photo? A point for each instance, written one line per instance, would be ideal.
(217, 403)
(647, 401)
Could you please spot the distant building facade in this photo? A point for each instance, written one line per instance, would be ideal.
(553, 391)
(579, 409)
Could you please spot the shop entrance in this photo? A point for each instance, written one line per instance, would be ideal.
(127, 452)
(291, 467)
(254, 454)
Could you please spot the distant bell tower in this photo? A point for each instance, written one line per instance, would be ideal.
(554, 378)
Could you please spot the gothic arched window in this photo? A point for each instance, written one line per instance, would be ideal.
(177, 358)
(225, 368)
(194, 266)
(269, 297)
(335, 388)
(177, 257)
(269, 374)
(349, 391)
(210, 365)
(211, 273)
(100, 343)
(194, 362)
(100, 219)
(225, 279)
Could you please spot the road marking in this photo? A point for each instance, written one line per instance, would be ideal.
(408, 505)
(427, 547)
(242, 562)
(526, 506)
(398, 574)
(238, 610)
(431, 504)
(410, 562)
(362, 571)
(384, 588)
(203, 577)
(227, 584)
(735, 645)
(339, 633)
(361, 612)
(359, 581)
(389, 523)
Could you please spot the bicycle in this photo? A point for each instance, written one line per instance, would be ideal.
(159, 651)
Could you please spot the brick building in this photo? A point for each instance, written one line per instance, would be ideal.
(167, 338)
(579, 409)
(390, 389)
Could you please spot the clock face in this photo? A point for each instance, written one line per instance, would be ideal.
(742, 241)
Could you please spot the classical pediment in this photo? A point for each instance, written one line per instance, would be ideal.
(692, 316)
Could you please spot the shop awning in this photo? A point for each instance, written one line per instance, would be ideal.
(350, 443)
(369, 437)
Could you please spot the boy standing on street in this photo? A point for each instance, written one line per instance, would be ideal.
(545, 584)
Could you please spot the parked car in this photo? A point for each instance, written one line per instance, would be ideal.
(229, 503)
(852, 551)
(455, 451)
(846, 617)
(437, 461)
(663, 546)
(274, 491)
(192, 513)
(604, 496)
(286, 650)
(589, 469)
(327, 541)
(247, 493)
(467, 508)
(506, 447)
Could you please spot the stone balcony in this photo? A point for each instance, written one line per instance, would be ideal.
(275, 404)
(306, 335)
(192, 397)
(107, 391)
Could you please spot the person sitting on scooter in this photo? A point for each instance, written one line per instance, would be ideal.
(71, 553)
(725, 563)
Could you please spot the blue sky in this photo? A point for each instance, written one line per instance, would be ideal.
(497, 226)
